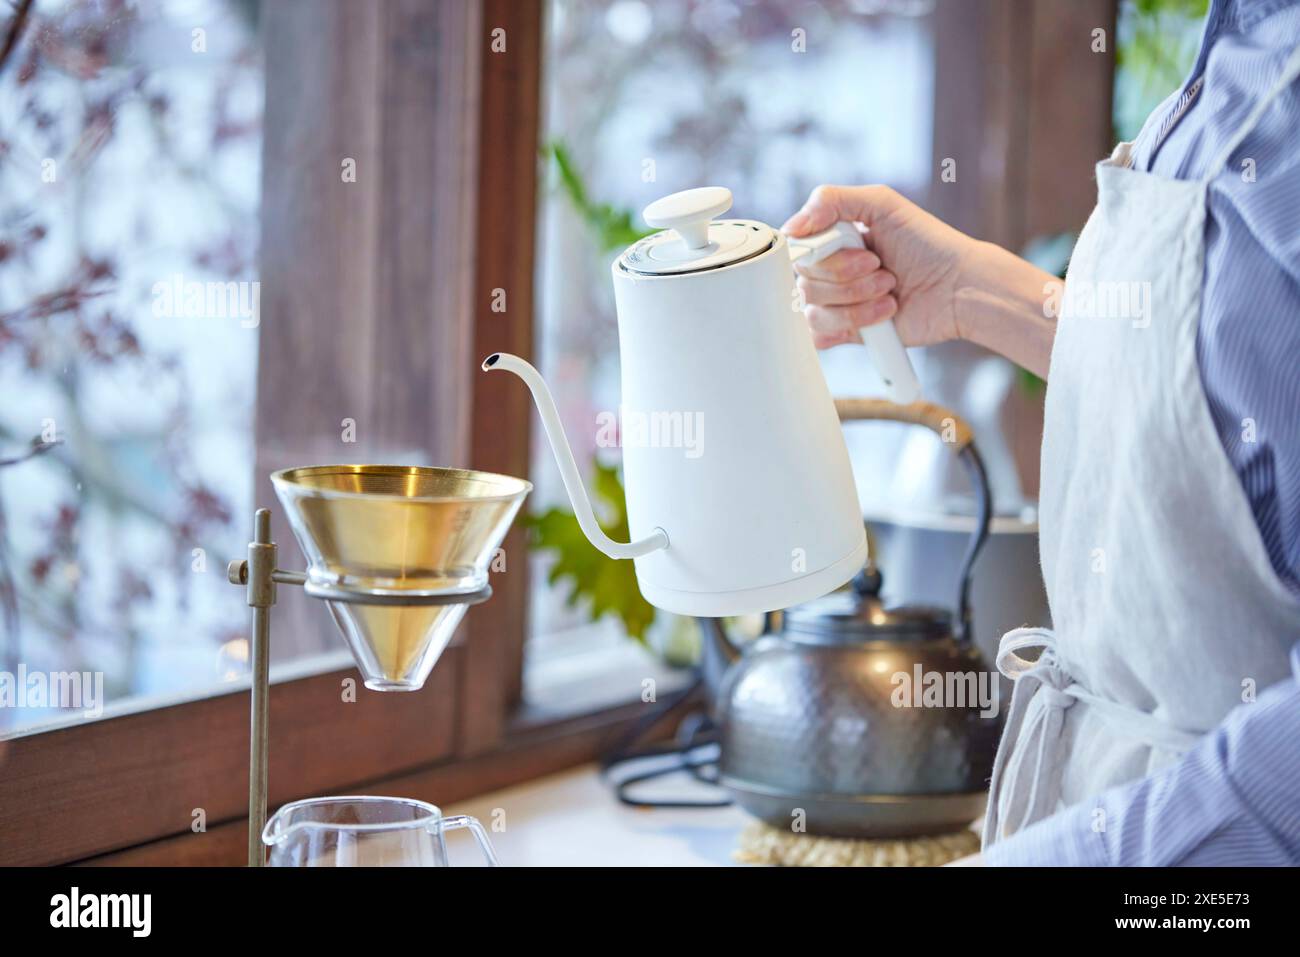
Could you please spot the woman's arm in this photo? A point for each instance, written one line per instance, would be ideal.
(936, 283)
(1001, 306)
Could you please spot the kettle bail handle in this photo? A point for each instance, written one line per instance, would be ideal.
(955, 433)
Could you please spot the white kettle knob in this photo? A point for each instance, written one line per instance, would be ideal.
(689, 213)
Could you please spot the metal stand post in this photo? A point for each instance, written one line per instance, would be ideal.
(256, 574)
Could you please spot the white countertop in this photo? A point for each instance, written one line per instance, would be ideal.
(574, 819)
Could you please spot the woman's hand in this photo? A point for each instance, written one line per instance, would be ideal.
(908, 272)
(936, 283)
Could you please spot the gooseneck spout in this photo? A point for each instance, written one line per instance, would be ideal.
(568, 467)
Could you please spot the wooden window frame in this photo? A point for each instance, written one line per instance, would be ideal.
(423, 234)
(400, 266)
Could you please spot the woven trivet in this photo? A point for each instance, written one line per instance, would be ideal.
(761, 844)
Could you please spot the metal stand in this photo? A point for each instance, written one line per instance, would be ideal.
(260, 576)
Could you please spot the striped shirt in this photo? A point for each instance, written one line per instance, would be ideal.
(1234, 799)
(1248, 340)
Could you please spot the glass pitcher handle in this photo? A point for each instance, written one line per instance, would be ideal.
(475, 828)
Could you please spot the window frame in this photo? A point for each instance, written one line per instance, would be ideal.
(388, 85)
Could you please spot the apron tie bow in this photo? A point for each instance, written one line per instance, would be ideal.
(1029, 753)
(1053, 693)
(1026, 783)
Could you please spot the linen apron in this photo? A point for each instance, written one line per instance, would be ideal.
(1166, 607)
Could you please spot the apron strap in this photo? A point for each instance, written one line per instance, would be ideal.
(1026, 782)
(1290, 71)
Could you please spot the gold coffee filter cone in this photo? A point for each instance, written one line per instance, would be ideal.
(394, 530)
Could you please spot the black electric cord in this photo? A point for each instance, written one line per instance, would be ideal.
(693, 751)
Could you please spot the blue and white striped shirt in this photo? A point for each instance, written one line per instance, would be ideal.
(1248, 340)
(1234, 799)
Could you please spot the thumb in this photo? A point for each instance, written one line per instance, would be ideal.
(828, 205)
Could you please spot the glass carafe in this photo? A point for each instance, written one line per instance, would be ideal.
(365, 832)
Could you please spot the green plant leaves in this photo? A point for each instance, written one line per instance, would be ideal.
(606, 586)
(613, 228)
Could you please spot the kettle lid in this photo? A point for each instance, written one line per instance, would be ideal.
(690, 239)
(857, 614)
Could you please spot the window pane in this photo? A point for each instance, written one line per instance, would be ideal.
(644, 99)
(130, 139)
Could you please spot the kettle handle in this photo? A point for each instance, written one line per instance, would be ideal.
(881, 338)
(954, 432)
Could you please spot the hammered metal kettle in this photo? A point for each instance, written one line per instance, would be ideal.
(858, 720)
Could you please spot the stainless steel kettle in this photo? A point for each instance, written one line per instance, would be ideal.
(848, 718)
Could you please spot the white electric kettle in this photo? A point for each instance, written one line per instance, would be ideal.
(740, 497)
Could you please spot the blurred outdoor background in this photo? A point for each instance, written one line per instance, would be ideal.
(131, 154)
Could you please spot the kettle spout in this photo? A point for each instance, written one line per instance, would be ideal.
(568, 467)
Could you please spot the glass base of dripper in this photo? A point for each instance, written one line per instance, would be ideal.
(395, 647)
(376, 684)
